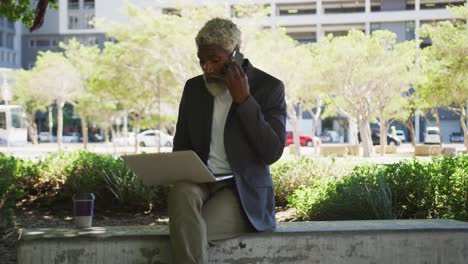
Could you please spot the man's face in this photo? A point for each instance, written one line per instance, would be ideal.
(212, 59)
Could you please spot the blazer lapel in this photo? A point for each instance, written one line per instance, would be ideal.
(206, 114)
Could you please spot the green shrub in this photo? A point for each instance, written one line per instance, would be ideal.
(408, 189)
(293, 174)
(430, 189)
(10, 189)
(55, 179)
(361, 195)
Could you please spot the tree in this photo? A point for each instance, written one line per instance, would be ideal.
(26, 95)
(361, 71)
(154, 57)
(21, 10)
(59, 81)
(445, 65)
(83, 58)
(263, 52)
(398, 64)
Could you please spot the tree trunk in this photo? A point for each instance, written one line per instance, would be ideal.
(410, 126)
(125, 125)
(60, 105)
(84, 131)
(383, 135)
(463, 118)
(136, 130)
(436, 115)
(315, 119)
(353, 132)
(114, 143)
(51, 125)
(366, 140)
(106, 135)
(32, 129)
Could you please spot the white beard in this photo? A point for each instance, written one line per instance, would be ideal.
(215, 88)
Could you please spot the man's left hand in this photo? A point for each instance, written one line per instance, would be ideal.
(237, 82)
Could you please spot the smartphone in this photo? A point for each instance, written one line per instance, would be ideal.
(238, 57)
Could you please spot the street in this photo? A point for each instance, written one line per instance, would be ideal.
(31, 151)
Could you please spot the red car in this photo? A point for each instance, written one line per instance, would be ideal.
(304, 140)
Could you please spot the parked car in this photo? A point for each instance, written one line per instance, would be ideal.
(432, 135)
(129, 140)
(330, 136)
(46, 137)
(150, 138)
(392, 141)
(303, 140)
(71, 137)
(401, 135)
(456, 137)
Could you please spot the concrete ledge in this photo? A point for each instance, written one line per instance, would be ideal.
(339, 150)
(449, 151)
(380, 241)
(389, 149)
(427, 150)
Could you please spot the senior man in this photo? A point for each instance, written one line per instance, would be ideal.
(233, 116)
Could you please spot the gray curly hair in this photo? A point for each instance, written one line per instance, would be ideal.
(219, 31)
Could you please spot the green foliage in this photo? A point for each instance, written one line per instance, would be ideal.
(436, 189)
(59, 176)
(355, 197)
(10, 189)
(409, 189)
(290, 175)
(21, 10)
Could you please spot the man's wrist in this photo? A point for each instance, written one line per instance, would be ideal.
(242, 100)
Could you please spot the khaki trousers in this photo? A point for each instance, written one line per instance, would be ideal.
(199, 213)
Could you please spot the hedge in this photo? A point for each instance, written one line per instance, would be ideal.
(319, 189)
(405, 190)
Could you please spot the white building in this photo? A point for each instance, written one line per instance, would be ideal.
(10, 44)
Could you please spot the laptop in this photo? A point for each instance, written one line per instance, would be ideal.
(171, 167)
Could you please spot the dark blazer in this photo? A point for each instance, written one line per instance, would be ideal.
(254, 137)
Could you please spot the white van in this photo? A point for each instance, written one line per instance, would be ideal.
(401, 135)
(432, 135)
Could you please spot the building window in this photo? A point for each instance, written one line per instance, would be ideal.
(73, 4)
(88, 4)
(374, 27)
(1, 38)
(172, 11)
(429, 4)
(1, 21)
(10, 41)
(409, 30)
(2, 56)
(42, 43)
(296, 9)
(89, 18)
(13, 57)
(73, 22)
(11, 24)
(244, 10)
(109, 39)
(92, 41)
(346, 6)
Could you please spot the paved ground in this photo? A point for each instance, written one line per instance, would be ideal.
(30, 151)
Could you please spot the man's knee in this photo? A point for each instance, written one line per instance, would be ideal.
(183, 193)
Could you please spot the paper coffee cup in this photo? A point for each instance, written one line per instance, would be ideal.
(83, 207)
